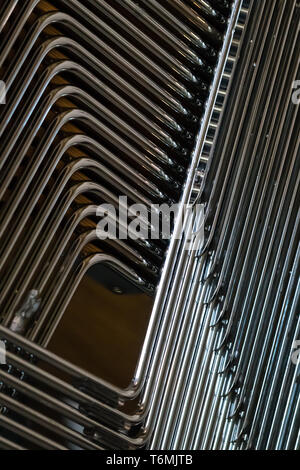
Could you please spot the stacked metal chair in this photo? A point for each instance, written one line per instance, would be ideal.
(181, 101)
(103, 99)
(231, 379)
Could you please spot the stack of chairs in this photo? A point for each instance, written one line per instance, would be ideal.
(231, 377)
(103, 99)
